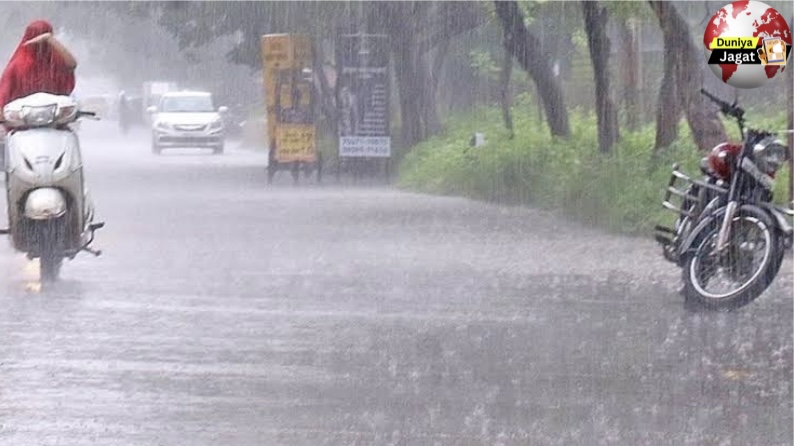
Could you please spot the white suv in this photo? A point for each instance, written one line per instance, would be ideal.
(187, 119)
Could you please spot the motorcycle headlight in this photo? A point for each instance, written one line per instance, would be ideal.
(770, 154)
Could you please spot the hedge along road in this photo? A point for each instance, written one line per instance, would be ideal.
(228, 312)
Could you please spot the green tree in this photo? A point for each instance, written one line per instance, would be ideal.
(525, 47)
(595, 19)
(680, 89)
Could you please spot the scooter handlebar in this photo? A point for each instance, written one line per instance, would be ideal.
(88, 114)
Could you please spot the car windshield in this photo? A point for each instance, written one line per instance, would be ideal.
(177, 104)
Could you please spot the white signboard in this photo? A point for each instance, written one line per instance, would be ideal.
(363, 95)
(365, 146)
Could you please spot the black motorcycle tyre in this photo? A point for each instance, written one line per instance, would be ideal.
(756, 287)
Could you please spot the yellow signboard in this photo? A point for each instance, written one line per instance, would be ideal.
(295, 142)
(288, 96)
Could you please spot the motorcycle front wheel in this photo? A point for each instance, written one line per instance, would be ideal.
(742, 271)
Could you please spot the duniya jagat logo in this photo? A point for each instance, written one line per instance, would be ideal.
(747, 44)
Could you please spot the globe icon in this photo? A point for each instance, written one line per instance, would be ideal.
(746, 19)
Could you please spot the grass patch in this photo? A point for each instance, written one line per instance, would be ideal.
(620, 192)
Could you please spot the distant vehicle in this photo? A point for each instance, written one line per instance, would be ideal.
(187, 119)
(153, 91)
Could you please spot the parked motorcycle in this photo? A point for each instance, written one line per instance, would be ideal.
(50, 213)
(729, 238)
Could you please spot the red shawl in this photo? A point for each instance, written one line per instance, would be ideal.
(35, 68)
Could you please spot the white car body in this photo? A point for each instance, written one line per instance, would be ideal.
(187, 119)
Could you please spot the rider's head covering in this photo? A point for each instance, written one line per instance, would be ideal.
(35, 68)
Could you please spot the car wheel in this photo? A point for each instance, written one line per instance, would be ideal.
(156, 149)
(218, 150)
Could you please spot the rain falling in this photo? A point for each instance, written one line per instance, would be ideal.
(397, 223)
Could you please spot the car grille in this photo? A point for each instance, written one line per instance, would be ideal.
(189, 127)
(187, 140)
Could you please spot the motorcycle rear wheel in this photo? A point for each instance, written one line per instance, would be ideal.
(751, 287)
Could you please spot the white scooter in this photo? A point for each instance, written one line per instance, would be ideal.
(50, 214)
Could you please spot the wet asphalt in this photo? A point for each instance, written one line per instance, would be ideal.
(228, 312)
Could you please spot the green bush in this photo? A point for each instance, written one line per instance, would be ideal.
(621, 191)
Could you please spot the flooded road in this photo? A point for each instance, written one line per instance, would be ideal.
(228, 312)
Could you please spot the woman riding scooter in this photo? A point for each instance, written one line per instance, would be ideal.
(50, 211)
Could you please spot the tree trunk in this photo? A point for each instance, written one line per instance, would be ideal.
(410, 105)
(595, 18)
(414, 80)
(682, 81)
(427, 96)
(631, 63)
(525, 47)
(506, 99)
(326, 94)
(668, 108)
(439, 56)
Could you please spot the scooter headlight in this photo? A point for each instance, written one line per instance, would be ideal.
(39, 115)
(770, 154)
(13, 116)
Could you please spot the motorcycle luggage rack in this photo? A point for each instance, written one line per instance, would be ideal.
(679, 186)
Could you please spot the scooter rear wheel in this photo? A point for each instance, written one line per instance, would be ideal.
(50, 259)
(50, 267)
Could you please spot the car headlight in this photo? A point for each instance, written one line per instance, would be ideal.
(770, 154)
(162, 125)
(216, 125)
